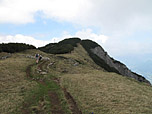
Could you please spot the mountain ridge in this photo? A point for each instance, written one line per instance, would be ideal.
(97, 53)
(36, 86)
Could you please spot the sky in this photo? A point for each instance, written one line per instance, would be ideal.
(122, 27)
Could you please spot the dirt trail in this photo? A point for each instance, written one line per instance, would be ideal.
(71, 101)
(26, 105)
(54, 99)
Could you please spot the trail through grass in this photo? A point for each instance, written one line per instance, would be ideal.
(47, 97)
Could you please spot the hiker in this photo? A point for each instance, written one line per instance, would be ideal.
(37, 57)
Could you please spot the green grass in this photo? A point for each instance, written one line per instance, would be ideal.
(36, 97)
(42, 91)
(94, 89)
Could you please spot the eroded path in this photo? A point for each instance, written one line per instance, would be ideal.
(49, 98)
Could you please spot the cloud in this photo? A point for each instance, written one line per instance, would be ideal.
(121, 47)
(109, 15)
(84, 34)
(88, 34)
(23, 11)
(19, 38)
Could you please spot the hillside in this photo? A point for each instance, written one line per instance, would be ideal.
(97, 53)
(68, 83)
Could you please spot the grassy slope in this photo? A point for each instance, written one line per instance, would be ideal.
(93, 89)
(19, 93)
(13, 82)
(105, 93)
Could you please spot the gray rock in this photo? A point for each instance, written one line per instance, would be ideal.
(43, 73)
(76, 64)
(123, 70)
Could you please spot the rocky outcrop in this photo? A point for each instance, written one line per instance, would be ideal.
(5, 56)
(120, 67)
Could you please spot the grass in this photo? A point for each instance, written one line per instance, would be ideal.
(40, 95)
(16, 88)
(13, 83)
(93, 89)
(39, 99)
(105, 93)
(102, 93)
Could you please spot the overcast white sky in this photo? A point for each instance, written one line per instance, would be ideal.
(118, 25)
(122, 27)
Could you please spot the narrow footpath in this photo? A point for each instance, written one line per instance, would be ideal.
(52, 86)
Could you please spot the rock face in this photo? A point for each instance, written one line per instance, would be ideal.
(121, 68)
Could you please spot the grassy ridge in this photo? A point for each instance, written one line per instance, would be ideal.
(103, 92)
(93, 89)
(65, 46)
(88, 45)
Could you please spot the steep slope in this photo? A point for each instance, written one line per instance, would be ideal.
(101, 58)
(101, 92)
(62, 83)
(97, 53)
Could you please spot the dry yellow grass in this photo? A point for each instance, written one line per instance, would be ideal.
(103, 92)
(13, 82)
(81, 55)
(93, 89)
(107, 93)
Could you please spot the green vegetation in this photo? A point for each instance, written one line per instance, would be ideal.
(71, 41)
(41, 99)
(92, 88)
(45, 92)
(65, 46)
(22, 94)
(14, 47)
(102, 92)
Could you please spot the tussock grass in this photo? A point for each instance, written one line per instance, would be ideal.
(107, 93)
(2, 54)
(82, 56)
(93, 89)
(13, 82)
(40, 94)
(102, 92)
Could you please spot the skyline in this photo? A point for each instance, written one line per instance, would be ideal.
(122, 27)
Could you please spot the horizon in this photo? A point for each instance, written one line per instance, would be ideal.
(122, 28)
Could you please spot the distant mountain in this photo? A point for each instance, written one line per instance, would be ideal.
(141, 64)
(96, 52)
(145, 68)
